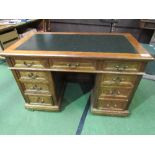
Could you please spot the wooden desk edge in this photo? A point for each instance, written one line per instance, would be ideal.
(142, 54)
(81, 55)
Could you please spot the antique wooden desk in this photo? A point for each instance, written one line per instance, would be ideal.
(117, 62)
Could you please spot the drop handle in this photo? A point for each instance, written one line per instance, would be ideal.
(117, 79)
(114, 92)
(35, 87)
(28, 64)
(40, 100)
(115, 105)
(32, 76)
(120, 68)
(73, 65)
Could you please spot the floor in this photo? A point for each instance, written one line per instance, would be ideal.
(75, 117)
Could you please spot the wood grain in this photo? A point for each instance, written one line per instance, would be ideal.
(117, 75)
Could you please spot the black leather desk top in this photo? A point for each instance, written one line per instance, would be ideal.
(84, 43)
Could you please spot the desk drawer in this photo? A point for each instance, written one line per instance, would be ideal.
(33, 76)
(121, 66)
(67, 64)
(112, 104)
(30, 63)
(36, 88)
(114, 92)
(40, 100)
(118, 80)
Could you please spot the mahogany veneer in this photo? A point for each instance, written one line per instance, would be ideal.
(117, 60)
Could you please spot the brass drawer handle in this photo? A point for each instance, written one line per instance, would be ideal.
(112, 106)
(28, 64)
(114, 92)
(40, 100)
(73, 65)
(108, 105)
(115, 105)
(121, 68)
(32, 76)
(35, 87)
(117, 79)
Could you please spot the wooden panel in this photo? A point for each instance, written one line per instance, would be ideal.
(42, 107)
(43, 100)
(118, 79)
(112, 104)
(33, 76)
(36, 88)
(114, 92)
(122, 66)
(30, 63)
(72, 64)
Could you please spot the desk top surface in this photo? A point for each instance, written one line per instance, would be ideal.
(76, 43)
(79, 45)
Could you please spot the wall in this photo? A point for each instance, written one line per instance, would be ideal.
(102, 25)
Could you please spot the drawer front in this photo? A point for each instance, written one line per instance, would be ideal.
(114, 92)
(112, 104)
(121, 66)
(36, 88)
(28, 63)
(43, 100)
(116, 79)
(72, 64)
(33, 76)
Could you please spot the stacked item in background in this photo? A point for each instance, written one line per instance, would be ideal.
(13, 29)
(28, 31)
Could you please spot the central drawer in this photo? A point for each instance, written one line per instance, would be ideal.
(72, 64)
(40, 100)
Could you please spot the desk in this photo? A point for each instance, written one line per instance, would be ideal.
(115, 62)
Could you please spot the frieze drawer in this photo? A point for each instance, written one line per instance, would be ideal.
(121, 66)
(30, 63)
(71, 64)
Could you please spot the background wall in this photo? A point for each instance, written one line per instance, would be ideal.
(103, 25)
